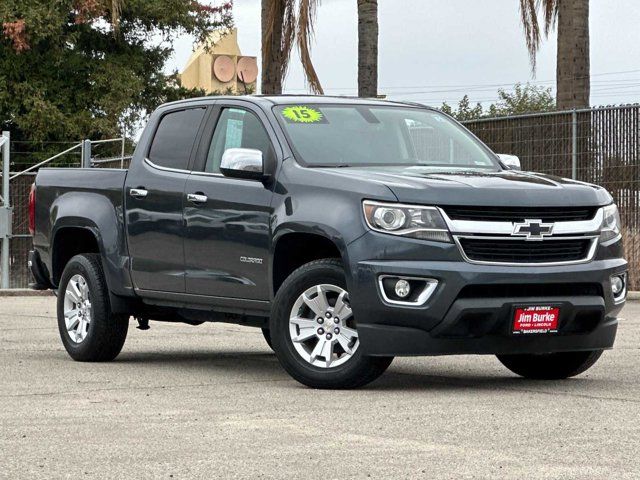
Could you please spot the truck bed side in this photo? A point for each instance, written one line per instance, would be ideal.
(76, 206)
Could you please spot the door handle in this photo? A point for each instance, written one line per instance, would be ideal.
(197, 198)
(138, 192)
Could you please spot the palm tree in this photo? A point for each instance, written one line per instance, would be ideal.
(285, 22)
(572, 20)
(277, 40)
(367, 48)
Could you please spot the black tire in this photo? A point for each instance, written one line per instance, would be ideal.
(357, 371)
(266, 333)
(550, 366)
(106, 332)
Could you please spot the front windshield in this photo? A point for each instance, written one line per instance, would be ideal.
(360, 135)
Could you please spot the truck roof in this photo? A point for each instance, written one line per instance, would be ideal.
(268, 100)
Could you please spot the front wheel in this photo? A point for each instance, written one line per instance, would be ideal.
(550, 366)
(314, 332)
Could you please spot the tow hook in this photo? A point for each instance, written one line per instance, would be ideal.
(143, 323)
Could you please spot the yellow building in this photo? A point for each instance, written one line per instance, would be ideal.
(221, 69)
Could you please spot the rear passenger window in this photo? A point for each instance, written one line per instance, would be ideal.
(174, 138)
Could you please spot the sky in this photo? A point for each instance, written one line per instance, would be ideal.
(432, 51)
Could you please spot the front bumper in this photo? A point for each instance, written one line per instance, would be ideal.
(471, 310)
(492, 335)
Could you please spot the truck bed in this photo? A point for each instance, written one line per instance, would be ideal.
(87, 198)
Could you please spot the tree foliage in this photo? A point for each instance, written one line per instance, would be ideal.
(529, 10)
(464, 111)
(286, 23)
(73, 69)
(522, 99)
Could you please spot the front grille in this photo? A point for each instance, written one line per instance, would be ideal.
(520, 251)
(519, 214)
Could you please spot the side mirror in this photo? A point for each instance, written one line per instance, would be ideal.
(510, 161)
(242, 163)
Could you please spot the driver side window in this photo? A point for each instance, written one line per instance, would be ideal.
(237, 128)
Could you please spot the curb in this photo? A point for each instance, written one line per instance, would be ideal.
(633, 296)
(25, 292)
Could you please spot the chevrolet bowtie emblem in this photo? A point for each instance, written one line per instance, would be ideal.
(532, 229)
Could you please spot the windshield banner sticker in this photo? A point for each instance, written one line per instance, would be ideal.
(303, 114)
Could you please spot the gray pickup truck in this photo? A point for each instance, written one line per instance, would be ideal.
(349, 231)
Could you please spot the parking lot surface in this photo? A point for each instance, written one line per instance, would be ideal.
(212, 402)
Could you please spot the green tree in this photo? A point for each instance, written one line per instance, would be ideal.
(464, 111)
(72, 69)
(522, 99)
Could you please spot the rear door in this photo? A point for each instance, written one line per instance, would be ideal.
(154, 193)
(228, 232)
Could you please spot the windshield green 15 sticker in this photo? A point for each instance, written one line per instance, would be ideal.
(302, 114)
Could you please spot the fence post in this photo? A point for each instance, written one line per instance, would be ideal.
(86, 154)
(122, 151)
(574, 144)
(6, 162)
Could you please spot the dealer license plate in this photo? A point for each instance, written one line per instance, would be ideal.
(536, 319)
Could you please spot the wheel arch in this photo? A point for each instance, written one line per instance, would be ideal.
(97, 219)
(292, 248)
(69, 241)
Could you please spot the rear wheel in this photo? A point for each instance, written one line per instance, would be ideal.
(314, 332)
(88, 329)
(550, 366)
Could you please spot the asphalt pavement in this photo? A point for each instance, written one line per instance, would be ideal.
(212, 402)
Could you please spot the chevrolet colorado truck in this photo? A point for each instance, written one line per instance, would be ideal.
(350, 231)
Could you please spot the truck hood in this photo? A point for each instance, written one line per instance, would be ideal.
(500, 188)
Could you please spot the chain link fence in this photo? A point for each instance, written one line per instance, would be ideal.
(600, 146)
(20, 241)
(103, 154)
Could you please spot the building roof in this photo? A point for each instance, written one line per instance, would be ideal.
(219, 42)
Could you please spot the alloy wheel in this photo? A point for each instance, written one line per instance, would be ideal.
(322, 327)
(77, 308)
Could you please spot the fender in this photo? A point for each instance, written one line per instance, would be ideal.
(314, 228)
(318, 230)
(318, 202)
(96, 213)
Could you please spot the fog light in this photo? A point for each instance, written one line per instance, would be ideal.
(408, 291)
(402, 288)
(617, 285)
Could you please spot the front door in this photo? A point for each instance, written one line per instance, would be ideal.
(154, 194)
(227, 220)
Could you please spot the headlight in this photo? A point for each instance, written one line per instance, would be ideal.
(610, 228)
(424, 223)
